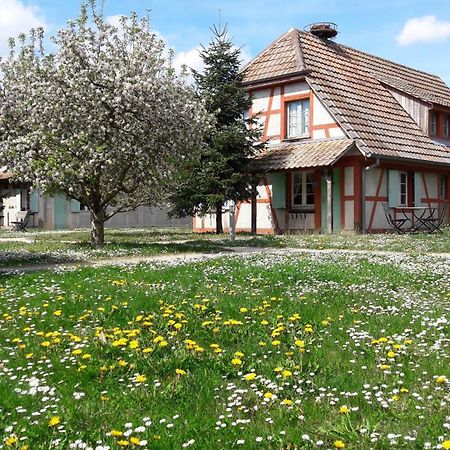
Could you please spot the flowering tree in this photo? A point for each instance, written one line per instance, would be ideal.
(104, 120)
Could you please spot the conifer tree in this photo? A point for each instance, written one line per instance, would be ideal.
(221, 172)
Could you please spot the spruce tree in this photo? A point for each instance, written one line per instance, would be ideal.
(221, 172)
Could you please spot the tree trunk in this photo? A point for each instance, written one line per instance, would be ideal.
(97, 229)
(219, 226)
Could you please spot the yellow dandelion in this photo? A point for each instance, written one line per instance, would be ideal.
(442, 379)
(250, 376)
(134, 344)
(286, 373)
(116, 433)
(140, 379)
(339, 444)
(268, 395)
(287, 402)
(276, 343)
(135, 440)
(446, 445)
(236, 362)
(55, 420)
(344, 409)
(11, 440)
(180, 372)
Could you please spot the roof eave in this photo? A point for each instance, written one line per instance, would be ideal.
(284, 78)
(420, 162)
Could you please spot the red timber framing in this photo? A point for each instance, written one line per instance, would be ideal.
(281, 111)
(423, 170)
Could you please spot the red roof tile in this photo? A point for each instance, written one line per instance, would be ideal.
(301, 155)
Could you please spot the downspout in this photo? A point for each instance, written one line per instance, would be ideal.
(363, 193)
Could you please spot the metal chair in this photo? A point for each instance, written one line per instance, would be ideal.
(396, 223)
(21, 222)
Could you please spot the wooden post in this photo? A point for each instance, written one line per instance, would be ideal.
(448, 198)
(329, 203)
(317, 198)
(357, 191)
(254, 207)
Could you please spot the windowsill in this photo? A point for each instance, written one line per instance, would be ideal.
(297, 138)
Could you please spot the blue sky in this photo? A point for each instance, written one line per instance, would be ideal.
(411, 32)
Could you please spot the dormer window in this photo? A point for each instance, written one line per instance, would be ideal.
(446, 126)
(433, 123)
(298, 119)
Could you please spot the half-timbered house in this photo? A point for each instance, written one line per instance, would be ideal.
(346, 132)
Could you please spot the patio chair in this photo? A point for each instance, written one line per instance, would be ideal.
(435, 223)
(395, 222)
(21, 222)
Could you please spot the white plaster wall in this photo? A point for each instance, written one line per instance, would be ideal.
(318, 134)
(320, 115)
(349, 209)
(431, 180)
(296, 88)
(260, 100)
(301, 221)
(379, 220)
(336, 133)
(264, 216)
(276, 102)
(274, 125)
(372, 179)
(348, 181)
(245, 216)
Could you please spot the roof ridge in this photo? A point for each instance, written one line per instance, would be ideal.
(377, 57)
(297, 49)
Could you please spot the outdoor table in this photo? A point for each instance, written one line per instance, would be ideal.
(414, 218)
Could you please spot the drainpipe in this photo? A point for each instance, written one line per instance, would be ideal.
(363, 193)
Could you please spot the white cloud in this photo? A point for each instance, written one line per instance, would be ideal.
(423, 29)
(16, 17)
(115, 21)
(192, 59)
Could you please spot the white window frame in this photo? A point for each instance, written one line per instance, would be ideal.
(304, 187)
(405, 194)
(302, 118)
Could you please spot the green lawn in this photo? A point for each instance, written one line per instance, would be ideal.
(66, 246)
(274, 351)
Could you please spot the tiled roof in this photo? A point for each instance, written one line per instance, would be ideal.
(282, 57)
(348, 83)
(301, 155)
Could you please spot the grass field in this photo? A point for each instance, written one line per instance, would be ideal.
(66, 246)
(275, 351)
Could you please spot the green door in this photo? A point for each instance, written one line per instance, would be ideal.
(60, 212)
(336, 200)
